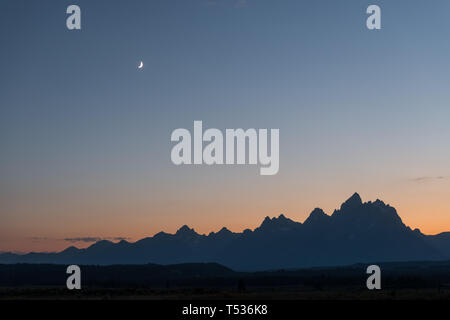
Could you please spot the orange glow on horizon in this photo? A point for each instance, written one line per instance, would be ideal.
(250, 216)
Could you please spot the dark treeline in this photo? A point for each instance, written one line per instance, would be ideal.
(212, 275)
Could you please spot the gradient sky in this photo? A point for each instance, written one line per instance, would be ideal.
(85, 136)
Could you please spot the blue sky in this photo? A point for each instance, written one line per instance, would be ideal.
(85, 136)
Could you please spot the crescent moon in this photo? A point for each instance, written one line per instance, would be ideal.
(141, 65)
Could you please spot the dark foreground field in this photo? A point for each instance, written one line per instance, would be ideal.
(209, 281)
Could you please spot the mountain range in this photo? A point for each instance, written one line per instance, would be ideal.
(356, 233)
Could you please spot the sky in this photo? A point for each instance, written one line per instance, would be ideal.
(85, 136)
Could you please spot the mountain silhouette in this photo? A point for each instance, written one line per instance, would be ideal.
(356, 233)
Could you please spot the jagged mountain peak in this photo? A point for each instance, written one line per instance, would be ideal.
(161, 234)
(274, 220)
(317, 212)
(186, 231)
(317, 215)
(345, 236)
(266, 220)
(223, 234)
(277, 223)
(369, 215)
(380, 203)
(70, 249)
(102, 245)
(224, 230)
(353, 202)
